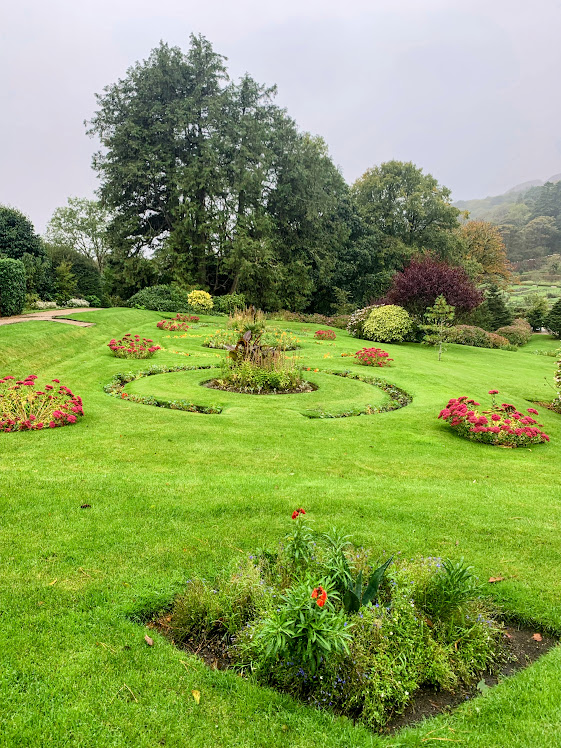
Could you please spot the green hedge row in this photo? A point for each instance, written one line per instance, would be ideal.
(12, 287)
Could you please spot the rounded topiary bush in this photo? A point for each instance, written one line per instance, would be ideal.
(388, 324)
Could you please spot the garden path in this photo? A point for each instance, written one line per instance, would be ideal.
(51, 315)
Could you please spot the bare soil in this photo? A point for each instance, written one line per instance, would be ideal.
(523, 647)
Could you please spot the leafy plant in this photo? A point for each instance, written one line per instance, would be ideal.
(356, 595)
(449, 590)
(200, 301)
(161, 298)
(439, 317)
(12, 287)
(299, 544)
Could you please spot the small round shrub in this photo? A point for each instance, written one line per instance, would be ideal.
(200, 301)
(228, 303)
(388, 324)
(133, 347)
(24, 408)
(501, 425)
(515, 334)
(160, 299)
(476, 337)
(373, 357)
(324, 335)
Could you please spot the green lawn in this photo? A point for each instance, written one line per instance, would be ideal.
(175, 493)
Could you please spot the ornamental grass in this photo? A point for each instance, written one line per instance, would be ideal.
(133, 347)
(501, 425)
(25, 408)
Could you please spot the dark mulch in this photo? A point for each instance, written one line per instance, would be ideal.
(523, 647)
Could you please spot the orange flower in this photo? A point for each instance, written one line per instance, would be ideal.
(320, 596)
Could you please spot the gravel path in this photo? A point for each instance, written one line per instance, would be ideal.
(51, 315)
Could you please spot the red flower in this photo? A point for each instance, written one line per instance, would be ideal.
(320, 596)
(296, 512)
(493, 392)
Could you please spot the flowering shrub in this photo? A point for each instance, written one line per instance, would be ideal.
(501, 425)
(179, 322)
(24, 408)
(476, 337)
(38, 304)
(387, 324)
(133, 347)
(325, 335)
(373, 357)
(186, 318)
(285, 621)
(201, 301)
(355, 325)
(76, 302)
(519, 333)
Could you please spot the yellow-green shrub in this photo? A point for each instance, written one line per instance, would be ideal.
(388, 324)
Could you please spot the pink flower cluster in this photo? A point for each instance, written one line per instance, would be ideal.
(179, 322)
(502, 425)
(373, 357)
(133, 347)
(24, 408)
(325, 335)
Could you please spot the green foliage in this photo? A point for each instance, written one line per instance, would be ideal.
(387, 324)
(516, 334)
(301, 630)
(553, 319)
(81, 226)
(449, 591)
(163, 298)
(536, 310)
(497, 308)
(17, 235)
(66, 285)
(258, 375)
(356, 597)
(12, 287)
(229, 303)
(439, 317)
(476, 336)
(299, 543)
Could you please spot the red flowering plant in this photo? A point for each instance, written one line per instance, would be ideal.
(133, 346)
(373, 357)
(501, 425)
(324, 335)
(179, 322)
(23, 407)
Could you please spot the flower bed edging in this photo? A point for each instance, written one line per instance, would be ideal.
(116, 388)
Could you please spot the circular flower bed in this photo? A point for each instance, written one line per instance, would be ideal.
(502, 425)
(373, 357)
(24, 408)
(133, 347)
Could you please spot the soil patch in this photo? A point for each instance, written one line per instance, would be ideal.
(213, 384)
(523, 647)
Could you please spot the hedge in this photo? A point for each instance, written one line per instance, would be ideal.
(12, 287)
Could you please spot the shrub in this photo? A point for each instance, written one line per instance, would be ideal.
(160, 299)
(229, 303)
(417, 287)
(338, 320)
(355, 325)
(553, 319)
(373, 357)
(24, 408)
(516, 334)
(501, 425)
(94, 300)
(262, 375)
(45, 305)
(12, 287)
(133, 347)
(77, 302)
(200, 301)
(475, 336)
(388, 324)
(324, 335)
(272, 338)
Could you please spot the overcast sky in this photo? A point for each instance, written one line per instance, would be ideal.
(469, 91)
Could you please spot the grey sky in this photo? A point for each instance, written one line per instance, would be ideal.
(467, 90)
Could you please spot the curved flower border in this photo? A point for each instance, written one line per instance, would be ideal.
(116, 388)
(398, 398)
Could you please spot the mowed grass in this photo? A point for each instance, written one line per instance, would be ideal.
(173, 494)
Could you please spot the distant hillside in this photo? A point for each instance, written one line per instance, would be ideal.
(528, 216)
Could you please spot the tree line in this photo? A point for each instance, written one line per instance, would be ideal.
(205, 182)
